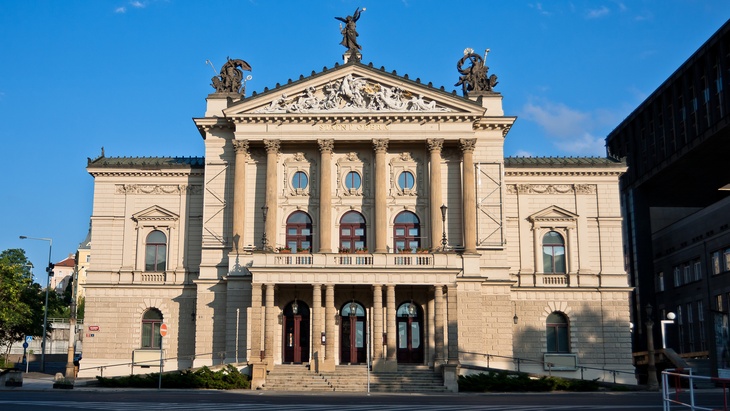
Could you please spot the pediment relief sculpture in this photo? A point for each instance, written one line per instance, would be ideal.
(352, 94)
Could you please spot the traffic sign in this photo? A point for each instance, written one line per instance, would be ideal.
(28, 338)
(163, 329)
(25, 345)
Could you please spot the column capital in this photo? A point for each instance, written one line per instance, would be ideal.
(380, 145)
(435, 144)
(326, 145)
(272, 146)
(467, 144)
(241, 146)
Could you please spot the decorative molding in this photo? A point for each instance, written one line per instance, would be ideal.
(158, 189)
(352, 94)
(467, 144)
(326, 145)
(551, 189)
(272, 146)
(380, 145)
(435, 144)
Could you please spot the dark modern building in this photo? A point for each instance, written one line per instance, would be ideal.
(676, 203)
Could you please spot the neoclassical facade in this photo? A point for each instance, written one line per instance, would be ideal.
(357, 216)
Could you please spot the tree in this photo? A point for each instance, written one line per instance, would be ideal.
(21, 311)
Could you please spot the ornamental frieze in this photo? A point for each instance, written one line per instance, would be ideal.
(158, 189)
(352, 94)
(551, 189)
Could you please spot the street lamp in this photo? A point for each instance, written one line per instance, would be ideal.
(443, 226)
(49, 269)
(670, 320)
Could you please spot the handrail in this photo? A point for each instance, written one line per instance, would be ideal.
(549, 365)
(156, 361)
(678, 375)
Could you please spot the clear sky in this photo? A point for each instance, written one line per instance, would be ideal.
(130, 75)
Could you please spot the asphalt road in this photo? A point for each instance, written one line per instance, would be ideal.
(91, 398)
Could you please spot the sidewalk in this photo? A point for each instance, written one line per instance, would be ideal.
(37, 381)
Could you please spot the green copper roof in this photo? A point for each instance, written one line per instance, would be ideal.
(562, 162)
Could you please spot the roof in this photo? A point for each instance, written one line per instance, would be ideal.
(67, 262)
(86, 244)
(564, 162)
(146, 162)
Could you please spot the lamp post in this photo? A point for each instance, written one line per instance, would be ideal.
(70, 366)
(264, 240)
(651, 380)
(49, 270)
(443, 227)
(670, 320)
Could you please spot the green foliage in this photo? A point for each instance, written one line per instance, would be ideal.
(503, 381)
(228, 378)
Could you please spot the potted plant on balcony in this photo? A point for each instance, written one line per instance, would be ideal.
(422, 250)
(302, 250)
(343, 250)
(406, 250)
(363, 250)
(284, 250)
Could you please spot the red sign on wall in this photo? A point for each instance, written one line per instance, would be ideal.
(93, 328)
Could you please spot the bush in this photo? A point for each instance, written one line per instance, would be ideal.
(503, 381)
(228, 378)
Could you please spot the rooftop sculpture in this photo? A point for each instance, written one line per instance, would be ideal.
(474, 77)
(349, 32)
(230, 79)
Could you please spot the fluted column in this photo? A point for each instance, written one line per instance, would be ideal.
(438, 308)
(435, 145)
(329, 328)
(316, 325)
(392, 329)
(270, 325)
(272, 153)
(377, 325)
(239, 193)
(469, 196)
(381, 223)
(325, 195)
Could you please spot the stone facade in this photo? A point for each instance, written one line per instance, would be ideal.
(313, 232)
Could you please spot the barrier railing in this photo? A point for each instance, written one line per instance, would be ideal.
(673, 383)
(546, 365)
(156, 362)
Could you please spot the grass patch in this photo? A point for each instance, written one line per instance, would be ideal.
(228, 378)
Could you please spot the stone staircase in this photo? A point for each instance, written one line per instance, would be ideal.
(295, 378)
(354, 378)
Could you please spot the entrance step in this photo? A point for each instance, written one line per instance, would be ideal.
(295, 378)
(409, 378)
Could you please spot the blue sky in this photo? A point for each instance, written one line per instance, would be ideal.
(130, 76)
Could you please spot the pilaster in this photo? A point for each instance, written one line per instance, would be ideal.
(381, 224)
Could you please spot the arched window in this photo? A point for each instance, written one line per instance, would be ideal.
(151, 321)
(155, 252)
(299, 231)
(557, 333)
(406, 232)
(553, 253)
(352, 232)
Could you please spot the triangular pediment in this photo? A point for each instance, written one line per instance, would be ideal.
(357, 89)
(553, 213)
(155, 213)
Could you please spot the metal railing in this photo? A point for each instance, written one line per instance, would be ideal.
(677, 378)
(546, 365)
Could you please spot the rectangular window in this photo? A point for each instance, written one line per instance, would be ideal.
(726, 258)
(690, 328)
(697, 270)
(687, 273)
(677, 277)
(719, 306)
(715, 257)
(660, 281)
(701, 321)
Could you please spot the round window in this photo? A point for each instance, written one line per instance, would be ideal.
(300, 180)
(406, 180)
(352, 180)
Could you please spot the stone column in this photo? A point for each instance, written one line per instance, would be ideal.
(438, 308)
(434, 147)
(270, 326)
(380, 228)
(316, 325)
(451, 368)
(329, 328)
(325, 195)
(378, 330)
(239, 194)
(469, 196)
(272, 153)
(391, 363)
(258, 376)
